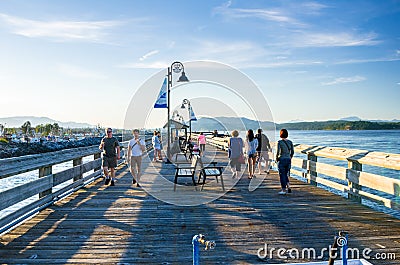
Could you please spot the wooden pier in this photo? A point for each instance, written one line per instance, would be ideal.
(125, 225)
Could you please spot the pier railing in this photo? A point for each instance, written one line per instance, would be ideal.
(352, 180)
(45, 186)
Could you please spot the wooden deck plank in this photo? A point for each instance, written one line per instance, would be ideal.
(125, 225)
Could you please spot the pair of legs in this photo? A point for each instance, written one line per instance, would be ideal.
(136, 168)
(109, 165)
(284, 166)
(202, 149)
(260, 156)
(235, 166)
(157, 154)
(107, 170)
(252, 159)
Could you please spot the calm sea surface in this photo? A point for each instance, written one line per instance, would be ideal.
(383, 141)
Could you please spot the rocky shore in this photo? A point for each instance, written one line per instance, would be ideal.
(21, 149)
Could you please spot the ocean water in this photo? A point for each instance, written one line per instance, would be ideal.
(20, 179)
(382, 141)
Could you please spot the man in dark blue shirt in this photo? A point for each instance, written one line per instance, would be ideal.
(111, 153)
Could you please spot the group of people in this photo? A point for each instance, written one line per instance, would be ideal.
(257, 148)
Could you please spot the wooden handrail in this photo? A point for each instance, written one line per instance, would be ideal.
(351, 179)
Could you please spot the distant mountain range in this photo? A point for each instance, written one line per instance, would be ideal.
(241, 124)
(355, 118)
(228, 124)
(17, 121)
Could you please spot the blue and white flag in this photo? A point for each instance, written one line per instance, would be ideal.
(192, 116)
(162, 96)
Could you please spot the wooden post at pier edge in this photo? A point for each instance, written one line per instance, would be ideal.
(97, 156)
(77, 162)
(43, 172)
(354, 187)
(312, 173)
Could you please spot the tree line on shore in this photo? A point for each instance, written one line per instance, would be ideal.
(44, 130)
(341, 125)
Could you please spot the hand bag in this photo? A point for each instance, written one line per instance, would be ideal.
(241, 157)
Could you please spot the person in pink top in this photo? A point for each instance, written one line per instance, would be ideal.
(202, 142)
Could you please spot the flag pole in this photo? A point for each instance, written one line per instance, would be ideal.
(168, 115)
(190, 120)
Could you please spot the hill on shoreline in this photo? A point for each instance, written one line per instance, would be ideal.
(17, 121)
(231, 123)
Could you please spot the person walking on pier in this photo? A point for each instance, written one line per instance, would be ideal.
(202, 142)
(136, 147)
(111, 153)
(235, 153)
(284, 154)
(161, 146)
(155, 140)
(262, 150)
(251, 151)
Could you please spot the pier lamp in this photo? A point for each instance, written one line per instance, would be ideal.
(187, 102)
(176, 67)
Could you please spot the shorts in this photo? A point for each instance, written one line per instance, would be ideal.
(252, 155)
(262, 154)
(136, 164)
(110, 162)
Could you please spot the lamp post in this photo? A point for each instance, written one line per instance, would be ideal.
(176, 67)
(187, 102)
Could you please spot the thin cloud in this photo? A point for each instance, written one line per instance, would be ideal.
(339, 39)
(78, 72)
(273, 15)
(145, 65)
(91, 31)
(313, 8)
(147, 55)
(367, 60)
(344, 80)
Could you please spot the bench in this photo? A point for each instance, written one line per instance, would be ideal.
(186, 170)
(210, 171)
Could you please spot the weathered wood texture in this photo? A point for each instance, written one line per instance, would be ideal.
(125, 225)
(17, 165)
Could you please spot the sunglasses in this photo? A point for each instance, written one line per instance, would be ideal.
(109, 131)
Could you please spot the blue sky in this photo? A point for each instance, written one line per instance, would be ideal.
(313, 60)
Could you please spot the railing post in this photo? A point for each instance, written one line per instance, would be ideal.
(354, 187)
(97, 156)
(77, 162)
(311, 171)
(43, 172)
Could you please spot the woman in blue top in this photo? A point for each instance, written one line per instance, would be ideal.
(284, 154)
(251, 150)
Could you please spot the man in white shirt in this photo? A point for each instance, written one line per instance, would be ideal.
(136, 147)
